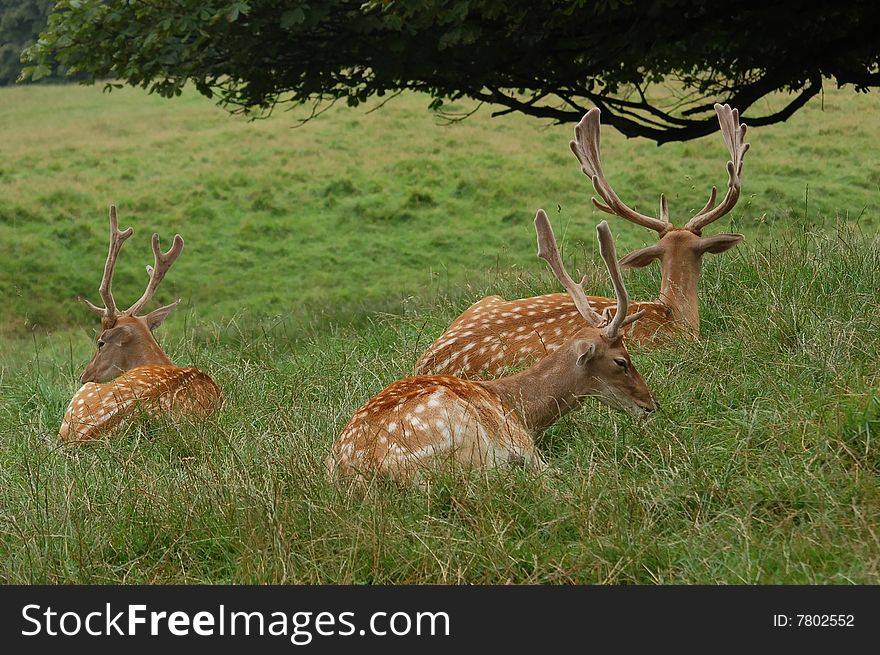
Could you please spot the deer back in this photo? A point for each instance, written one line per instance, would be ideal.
(496, 336)
(423, 421)
(97, 408)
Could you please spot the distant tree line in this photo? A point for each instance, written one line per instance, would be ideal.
(21, 22)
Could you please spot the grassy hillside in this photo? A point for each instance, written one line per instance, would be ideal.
(356, 211)
(321, 261)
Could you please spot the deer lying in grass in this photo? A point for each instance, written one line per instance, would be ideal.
(420, 421)
(129, 368)
(525, 329)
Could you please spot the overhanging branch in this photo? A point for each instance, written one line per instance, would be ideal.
(624, 115)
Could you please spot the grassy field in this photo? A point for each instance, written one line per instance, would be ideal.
(357, 211)
(321, 261)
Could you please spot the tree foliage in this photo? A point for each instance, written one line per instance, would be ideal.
(655, 68)
(20, 24)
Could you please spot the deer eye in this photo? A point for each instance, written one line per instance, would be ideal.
(622, 363)
(100, 343)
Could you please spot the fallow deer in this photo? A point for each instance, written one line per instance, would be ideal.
(494, 334)
(129, 369)
(421, 421)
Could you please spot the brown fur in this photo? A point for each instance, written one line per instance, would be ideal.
(422, 421)
(97, 408)
(125, 342)
(509, 334)
(405, 429)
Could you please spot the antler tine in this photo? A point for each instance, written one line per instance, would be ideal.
(734, 133)
(711, 202)
(117, 238)
(609, 254)
(586, 148)
(162, 262)
(548, 251)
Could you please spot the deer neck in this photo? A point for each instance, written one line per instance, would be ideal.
(147, 353)
(679, 286)
(540, 395)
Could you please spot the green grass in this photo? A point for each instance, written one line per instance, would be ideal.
(358, 211)
(321, 261)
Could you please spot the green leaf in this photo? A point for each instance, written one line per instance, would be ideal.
(292, 17)
(25, 74)
(40, 71)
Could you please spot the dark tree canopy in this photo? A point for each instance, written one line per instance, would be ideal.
(654, 67)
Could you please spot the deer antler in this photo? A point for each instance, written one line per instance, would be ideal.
(162, 262)
(586, 148)
(733, 132)
(548, 251)
(607, 250)
(117, 238)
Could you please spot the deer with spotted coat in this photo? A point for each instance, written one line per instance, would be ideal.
(129, 369)
(527, 328)
(422, 421)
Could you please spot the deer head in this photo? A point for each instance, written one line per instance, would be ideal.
(595, 361)
(126, 339)
(679, 250)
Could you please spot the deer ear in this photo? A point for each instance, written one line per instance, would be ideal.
(719, 242)
(117, 335)
(586, 355)
(155, 318)
(641, 257)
